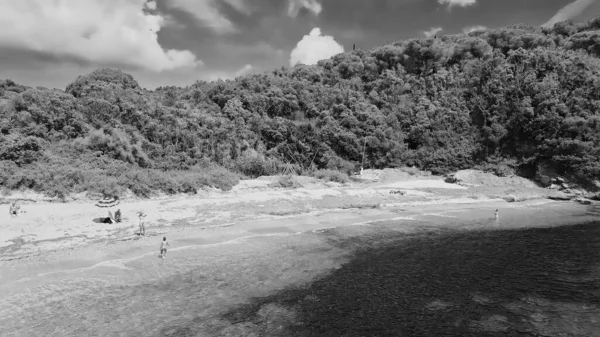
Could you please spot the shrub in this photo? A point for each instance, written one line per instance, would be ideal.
(331, 175)
(7, 170)
(104, 185)
(20, 150)
(253, 165)
(214, 176)
(338, 164)
(116, 144)
(410, 170)
(287, 181)
(501, 168)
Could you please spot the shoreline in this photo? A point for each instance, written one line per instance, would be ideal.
(51, 231)
(51, 235)
(68, 260)
(215, 271)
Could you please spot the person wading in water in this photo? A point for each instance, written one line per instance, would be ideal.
(163, 248)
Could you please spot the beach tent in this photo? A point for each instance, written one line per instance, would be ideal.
(108, 202)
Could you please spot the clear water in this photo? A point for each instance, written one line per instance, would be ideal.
(191, 289)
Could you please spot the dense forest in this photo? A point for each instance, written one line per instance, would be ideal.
(507, 100)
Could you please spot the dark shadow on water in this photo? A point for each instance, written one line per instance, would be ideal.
(438, 284)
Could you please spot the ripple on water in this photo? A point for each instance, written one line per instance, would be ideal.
(540, 281)
(472, 282)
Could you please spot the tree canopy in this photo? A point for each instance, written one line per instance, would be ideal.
(509, 99)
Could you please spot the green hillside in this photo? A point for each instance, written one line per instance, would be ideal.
(506, 100)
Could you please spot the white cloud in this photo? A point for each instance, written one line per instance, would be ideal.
(225, 75)
(295, 6)
(459, 3)
(239, 5)
(243, 70)
(469, 29)
(432, 32)
(100, 32)
(151, 5)
(208, 14)
(569, 11)
(315, 47)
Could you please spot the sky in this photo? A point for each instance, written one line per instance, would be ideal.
(177, 42)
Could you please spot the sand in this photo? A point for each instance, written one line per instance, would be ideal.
(252, 245)
(48, 226)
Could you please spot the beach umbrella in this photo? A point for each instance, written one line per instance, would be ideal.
(108, 202)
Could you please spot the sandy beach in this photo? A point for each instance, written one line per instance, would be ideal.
(259, 260)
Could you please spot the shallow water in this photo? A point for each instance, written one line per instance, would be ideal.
(526, 282)
(200, 281)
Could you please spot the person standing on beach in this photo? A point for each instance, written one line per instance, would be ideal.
(496, 214)
(163, 248)
(141, 216)
(13, 211)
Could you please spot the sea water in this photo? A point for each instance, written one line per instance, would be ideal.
(189, 292)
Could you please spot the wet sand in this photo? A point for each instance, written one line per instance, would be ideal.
(442, 270)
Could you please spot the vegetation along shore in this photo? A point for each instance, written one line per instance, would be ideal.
(519, 100)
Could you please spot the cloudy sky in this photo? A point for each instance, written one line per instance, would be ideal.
(176, 42)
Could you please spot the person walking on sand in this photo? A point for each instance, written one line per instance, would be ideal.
(163, 248)
(142, 227)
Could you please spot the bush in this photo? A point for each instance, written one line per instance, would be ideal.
(501, 168)
(59, 179)
(7, 170)
(253, 165)
(117, 145)
(104, 185)
(331, 175)
(20, 150)
(214, 176)
(410, 170)
(339, 164)
(287, 181)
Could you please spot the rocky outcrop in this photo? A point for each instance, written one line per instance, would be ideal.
(451, 179)
(513, 198)
(560, 196)
(570, 191)
(543, 179)
(480, 178)
(544, 174)
(593, 196)
(583, 201)
(548, 177)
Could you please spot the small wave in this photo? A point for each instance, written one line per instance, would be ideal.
(438, 214)
(236, 240)
(364, 223)
(113, 263)
(121, 263)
